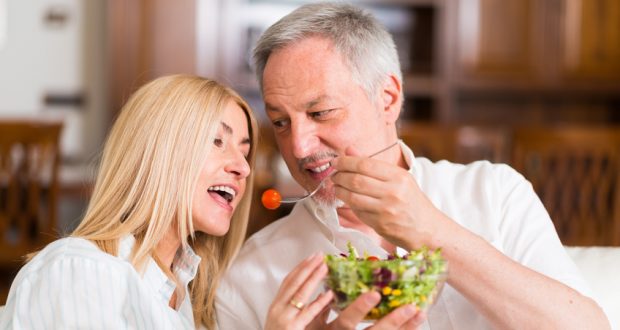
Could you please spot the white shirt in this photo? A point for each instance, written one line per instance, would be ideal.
(71, 283)
(493, 201)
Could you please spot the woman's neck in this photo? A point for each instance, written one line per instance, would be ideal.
(167, 248)
(165, 252)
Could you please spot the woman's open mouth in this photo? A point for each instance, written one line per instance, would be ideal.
(226, 193)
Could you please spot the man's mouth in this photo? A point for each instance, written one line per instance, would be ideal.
(321, 168)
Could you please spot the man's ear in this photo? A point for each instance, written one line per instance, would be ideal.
(391, 98)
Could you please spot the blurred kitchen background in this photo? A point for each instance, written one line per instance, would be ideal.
(532, 83)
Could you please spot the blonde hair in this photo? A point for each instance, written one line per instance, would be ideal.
(148, 173)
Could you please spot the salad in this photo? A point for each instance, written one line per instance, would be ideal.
(415, 278)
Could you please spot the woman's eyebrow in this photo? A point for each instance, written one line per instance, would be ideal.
(229, 131)
(227, 128)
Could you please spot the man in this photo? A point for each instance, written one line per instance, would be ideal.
(332, 89)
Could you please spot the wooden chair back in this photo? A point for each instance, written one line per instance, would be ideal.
(576, 173)
(29, 160)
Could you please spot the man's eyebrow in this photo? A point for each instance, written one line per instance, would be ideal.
(321, 98)
(314, 102)
(308, 105)
(270, 108)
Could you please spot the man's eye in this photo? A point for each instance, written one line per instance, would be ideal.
(279, 123)
(319, 114)
(218, 142)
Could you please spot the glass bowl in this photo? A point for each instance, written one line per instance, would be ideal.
(416, 278)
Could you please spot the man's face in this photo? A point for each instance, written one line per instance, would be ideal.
(317, 111)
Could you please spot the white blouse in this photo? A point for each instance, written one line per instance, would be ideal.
(71, 283)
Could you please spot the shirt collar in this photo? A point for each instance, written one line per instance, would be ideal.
(185, 266)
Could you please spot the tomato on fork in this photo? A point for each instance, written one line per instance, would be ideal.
(271, 199)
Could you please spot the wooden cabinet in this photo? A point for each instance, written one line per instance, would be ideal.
(543, 62)
(544, 44)
(497, 37)
(591, 34)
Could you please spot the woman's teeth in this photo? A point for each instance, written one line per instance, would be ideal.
(225, 191)
(320, 168)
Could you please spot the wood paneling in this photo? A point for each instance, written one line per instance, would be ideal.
(129, 49)
(497, 37)
(592, 39)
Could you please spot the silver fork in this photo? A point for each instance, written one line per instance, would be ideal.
(310, 194)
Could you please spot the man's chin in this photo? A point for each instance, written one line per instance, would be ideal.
(329, 201)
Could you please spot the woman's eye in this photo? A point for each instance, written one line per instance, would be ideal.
(218, 142)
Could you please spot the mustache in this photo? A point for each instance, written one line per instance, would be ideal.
(321, 155)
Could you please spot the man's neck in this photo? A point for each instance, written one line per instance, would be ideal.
(348, 219)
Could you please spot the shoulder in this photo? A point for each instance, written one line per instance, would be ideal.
(480, 196)
(478, 174)
(479, 167)
(72, 248)
(70, 255)
(65, 285)
(73, 265)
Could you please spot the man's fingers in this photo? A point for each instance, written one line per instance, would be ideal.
(358, 201)
(359, 183)
(352, 151)
(377, 169)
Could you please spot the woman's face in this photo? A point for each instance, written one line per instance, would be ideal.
(222, 180)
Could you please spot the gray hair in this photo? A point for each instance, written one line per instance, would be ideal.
(366, 45)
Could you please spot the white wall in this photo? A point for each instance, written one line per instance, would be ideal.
(41, 56)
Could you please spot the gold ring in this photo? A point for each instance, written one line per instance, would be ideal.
(297, 304)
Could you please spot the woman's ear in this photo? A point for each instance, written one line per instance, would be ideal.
(391, 98)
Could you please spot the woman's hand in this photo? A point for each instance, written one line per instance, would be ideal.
(291, 308)
(290, 311)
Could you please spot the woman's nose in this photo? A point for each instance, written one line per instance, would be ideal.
(238, 165)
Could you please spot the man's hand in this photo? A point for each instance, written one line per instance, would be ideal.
(405, 317)
(388, 199)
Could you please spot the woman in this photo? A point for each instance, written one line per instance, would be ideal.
(167, 215)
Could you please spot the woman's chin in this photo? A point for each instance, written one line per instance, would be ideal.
(219, 230)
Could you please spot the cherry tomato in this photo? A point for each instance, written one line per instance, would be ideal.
(372, 258)
(271, 199)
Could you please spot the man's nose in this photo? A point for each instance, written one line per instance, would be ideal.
(303, 139)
